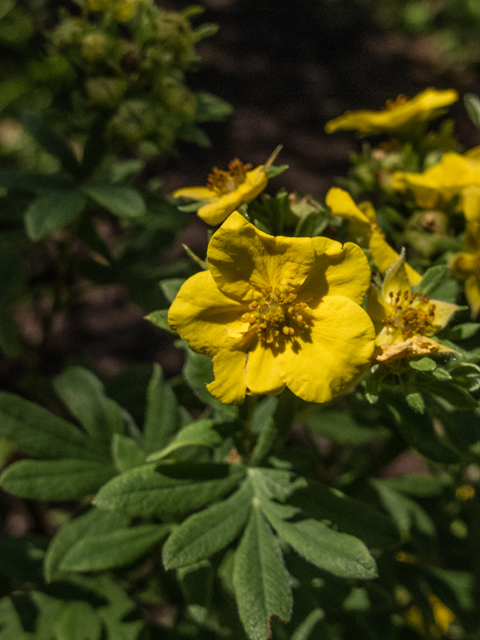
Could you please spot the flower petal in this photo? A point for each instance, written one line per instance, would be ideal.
(216, 212)
(383, 256)
(195, 193)
(342, 204)
(337, 271)
(229, 385)
(323, 361)
(262, 375)
(205, 317)
(472, 293)
(244, 260)
(377, 308)
(396, 279)
(443, 312)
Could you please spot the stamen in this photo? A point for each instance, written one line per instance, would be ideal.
(246, 317)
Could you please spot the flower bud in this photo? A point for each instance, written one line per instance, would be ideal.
(104, 91)
(68, 32)
(134, 120)
(94, 46)
(178, 99)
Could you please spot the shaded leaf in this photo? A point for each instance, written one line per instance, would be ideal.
(77, 621)
(261, 582)
(53, 210)
(200, 433)
(168, 487)
(118, 199)
(162, 418)
(204, 533)
(126, 453)
(65, 479)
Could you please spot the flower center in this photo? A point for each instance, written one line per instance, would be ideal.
(412, 314)
(223, 182)
(274, 314)
(394, 104)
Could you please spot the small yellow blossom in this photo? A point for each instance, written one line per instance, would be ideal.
(466, 264)
(404, 320)
(276, 312)
(442, 616)
(438, 184)
(226, 190)
(363, 225)
(396, 114)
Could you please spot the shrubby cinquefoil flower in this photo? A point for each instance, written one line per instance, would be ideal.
(226, 190)
(396, 114)
(276, 312)
(438, 184)
(363, 225)
(405, 320)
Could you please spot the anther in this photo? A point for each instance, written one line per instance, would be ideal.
(257, 315)
(290, 310)
(276, 333)
(269, 339)
(405, 295)
(264, 307)
(252, 320)
(246, 317)
(253, 304)
(277, 291)
(298, 318)
(269, 290)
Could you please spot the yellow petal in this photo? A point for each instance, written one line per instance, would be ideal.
(262, 375)
(323, 361)
(205, 317)
(384, 256)
(472, 293)
(368, 210)
(216, 212)
(377, 308)
(229, 385)
(341, 203)
(195, 193)
(337, 271)
(244, 260)
(443, 312)
(423, 106)
(396, 279)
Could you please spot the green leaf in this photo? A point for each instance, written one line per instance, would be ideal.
(78, 620)
(65, 479)
(39, 433)
(53, 210)
(198, 434)
(350, 516)
(168, 487)
(275, 483)
(94, 150)
(472, 107)
(92, 523)
(339, 553)
(16, 179)
(198, 371)
(262, 584)
(170, 287)
(305, 629)
(439, 284)
(9, 334)
(405, 512)
(84, 395)
(118, 199)
(163, 418)
(211, 107)
(418, 484)
(416, 401)
(266, 441)
(454, 394)
(191, 133)
(51, 141)
(126, 453)
(113, 549)
(196, 582)
(424, 364)
(204, 533)
(461, 331)
(419, 432)
(160, 319)
(342, 427)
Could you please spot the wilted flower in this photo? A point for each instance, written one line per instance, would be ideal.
(396, 114)
(226, 190)
(405, 320)
(276, 312)
(363, 225)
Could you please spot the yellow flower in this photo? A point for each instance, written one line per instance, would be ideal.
(363, 225)
(466, 264)
(276, 312)
(226, 190)
(404, 320)
(437, 185)
(442, 616)
(396, 114)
